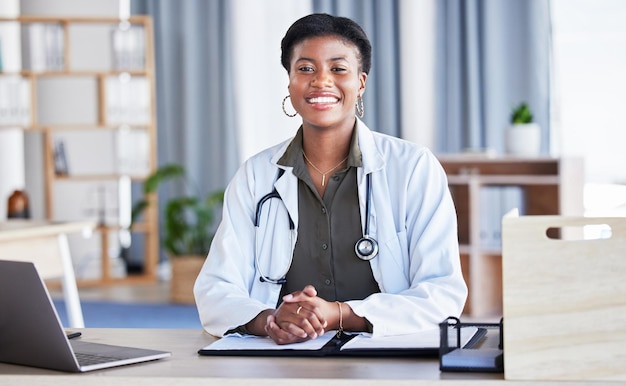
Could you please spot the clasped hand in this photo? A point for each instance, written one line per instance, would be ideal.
(301, 316)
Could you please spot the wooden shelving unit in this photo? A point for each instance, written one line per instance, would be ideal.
(68, 31)
(550, 186)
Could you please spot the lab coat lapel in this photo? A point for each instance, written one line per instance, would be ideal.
(287, 187)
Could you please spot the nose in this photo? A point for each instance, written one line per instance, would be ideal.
(323, 78)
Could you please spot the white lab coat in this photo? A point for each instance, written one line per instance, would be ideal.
(412, 217)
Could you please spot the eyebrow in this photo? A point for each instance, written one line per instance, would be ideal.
(335, 59)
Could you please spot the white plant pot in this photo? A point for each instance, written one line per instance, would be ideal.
(523, 140)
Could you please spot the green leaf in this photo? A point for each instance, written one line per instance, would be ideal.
(521, 114)
(165, 172)
(138, 208)
(188, 222)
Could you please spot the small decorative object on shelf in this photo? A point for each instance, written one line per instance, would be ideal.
(17, 206)
(60, 159)
(523, 137)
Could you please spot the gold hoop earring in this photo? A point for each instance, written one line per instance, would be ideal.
(360, 107)
(285, 111)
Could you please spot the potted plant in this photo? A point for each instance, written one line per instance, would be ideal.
(523, 137)
(188, 229)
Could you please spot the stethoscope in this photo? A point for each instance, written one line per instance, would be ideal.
(366, 248)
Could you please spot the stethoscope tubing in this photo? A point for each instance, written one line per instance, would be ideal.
(366, 248)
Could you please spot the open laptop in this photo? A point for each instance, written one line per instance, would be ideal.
(31, 332)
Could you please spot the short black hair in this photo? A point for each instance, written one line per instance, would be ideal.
(322, 24)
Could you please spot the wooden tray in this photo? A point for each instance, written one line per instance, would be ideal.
(564, 300)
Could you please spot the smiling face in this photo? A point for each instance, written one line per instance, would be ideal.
(325, 79)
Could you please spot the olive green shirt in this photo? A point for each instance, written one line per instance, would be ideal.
(328, 230)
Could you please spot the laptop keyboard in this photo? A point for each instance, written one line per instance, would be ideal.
(85, 359)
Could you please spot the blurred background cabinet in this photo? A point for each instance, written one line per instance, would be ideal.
(484, 189)
(85, 94)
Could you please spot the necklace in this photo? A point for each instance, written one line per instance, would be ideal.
(327, 171)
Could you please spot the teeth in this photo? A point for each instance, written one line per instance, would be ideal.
(323, 100)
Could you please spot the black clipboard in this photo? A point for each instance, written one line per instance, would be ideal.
(335, 348)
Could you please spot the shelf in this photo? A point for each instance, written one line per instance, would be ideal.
(98, 177)
(466, 249)
(541, 185)
(75, 126)
(502, 180)
(74, 73)
(87, 88)
(135, 19)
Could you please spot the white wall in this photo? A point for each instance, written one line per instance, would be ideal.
(590, 70)
(417, 71)
(260, 80)
(12, 175)
(11, 165)
(590, 91)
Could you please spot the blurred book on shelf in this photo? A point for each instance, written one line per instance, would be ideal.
(128, 47)
(43, 47)
(128, 100)
(14, 101)
(495, 202)
(133, 151)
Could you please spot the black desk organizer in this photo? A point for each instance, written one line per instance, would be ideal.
(453, 357)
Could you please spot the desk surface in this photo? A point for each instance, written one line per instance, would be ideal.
(186, 367)
(12, 230)
(186, 363)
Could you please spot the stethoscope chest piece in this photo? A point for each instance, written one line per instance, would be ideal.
(366, 248)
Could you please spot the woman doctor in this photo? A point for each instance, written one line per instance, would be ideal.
(339, 228)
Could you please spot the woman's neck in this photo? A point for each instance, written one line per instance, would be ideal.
(325, 148)
(325, 152)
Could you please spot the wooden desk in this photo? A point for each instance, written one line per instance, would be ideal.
(185, 366)
(45, 244)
